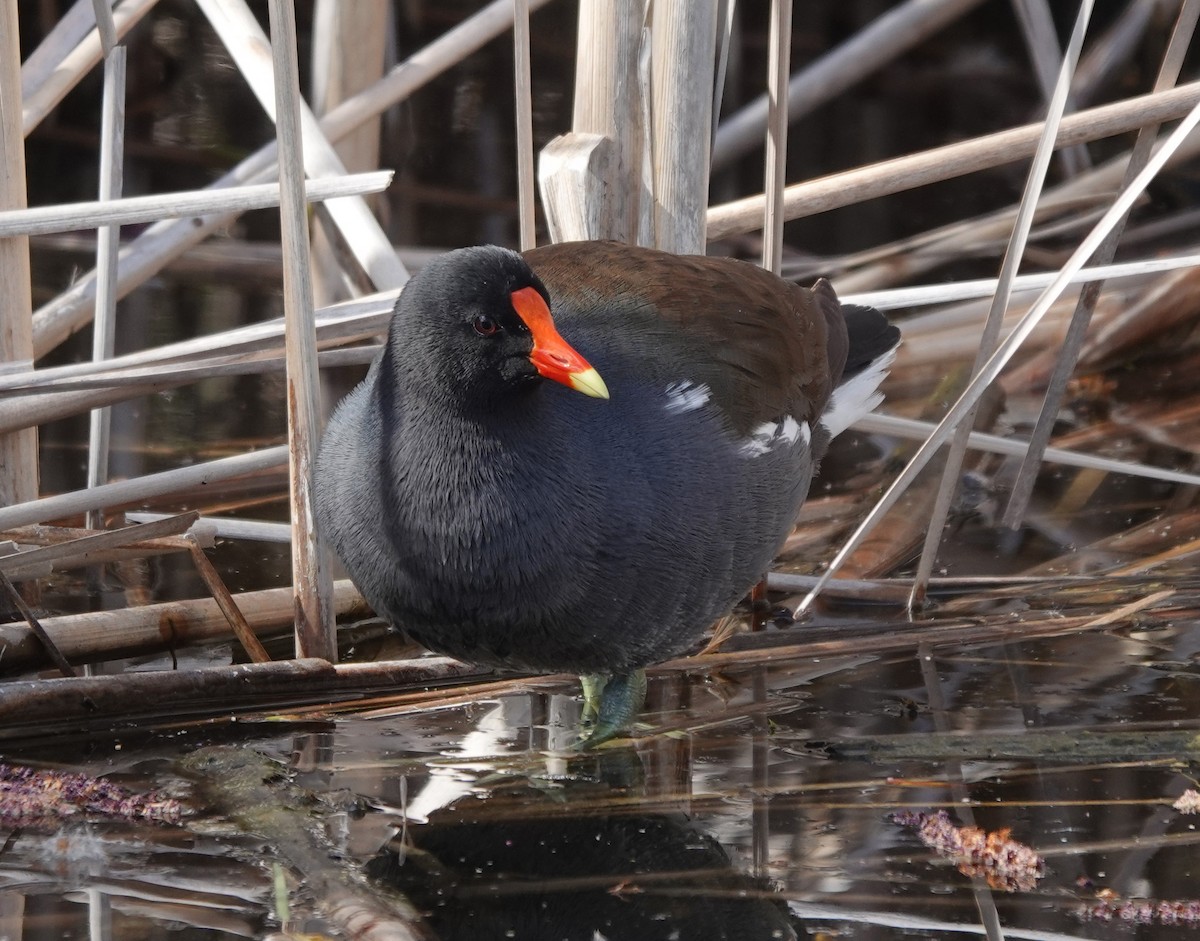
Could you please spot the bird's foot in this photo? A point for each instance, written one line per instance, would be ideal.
(610, 704)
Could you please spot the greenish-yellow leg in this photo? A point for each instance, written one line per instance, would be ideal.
(610, 704)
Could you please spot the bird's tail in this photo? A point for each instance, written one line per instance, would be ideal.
(872, 348)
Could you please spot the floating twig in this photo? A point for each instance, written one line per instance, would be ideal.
(1003, 862)
(29, 797)
(1143, 911)
(14, 596)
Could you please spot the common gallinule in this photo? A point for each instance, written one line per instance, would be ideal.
(509, 521)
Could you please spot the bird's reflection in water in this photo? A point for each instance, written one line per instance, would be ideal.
(559, 864)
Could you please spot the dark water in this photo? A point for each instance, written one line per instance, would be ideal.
(758, 802)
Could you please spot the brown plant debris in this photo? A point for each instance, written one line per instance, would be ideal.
(29, 797)
(1110, 907)
(1004, 863)
(1189, 802)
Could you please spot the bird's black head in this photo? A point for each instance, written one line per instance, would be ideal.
(475, 323)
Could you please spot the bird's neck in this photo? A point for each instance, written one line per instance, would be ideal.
(453, 444)
(453, 448)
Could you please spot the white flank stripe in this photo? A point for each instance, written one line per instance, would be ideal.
(772, 434)
(686, 396)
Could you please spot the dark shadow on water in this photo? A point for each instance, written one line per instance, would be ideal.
(576, 876)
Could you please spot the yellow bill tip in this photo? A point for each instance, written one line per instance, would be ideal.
(588, 382)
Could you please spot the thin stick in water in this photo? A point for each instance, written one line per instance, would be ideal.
(223, 598)
(65, 217)
(108, 244)
(1041, 40)
(995, 319)
(14, 597)
(19, 451)
(524, 91)
(310, 581)
(777, 127)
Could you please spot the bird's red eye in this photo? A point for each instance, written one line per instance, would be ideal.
(485, 326)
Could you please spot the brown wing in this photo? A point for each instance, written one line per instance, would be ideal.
(775, 348)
